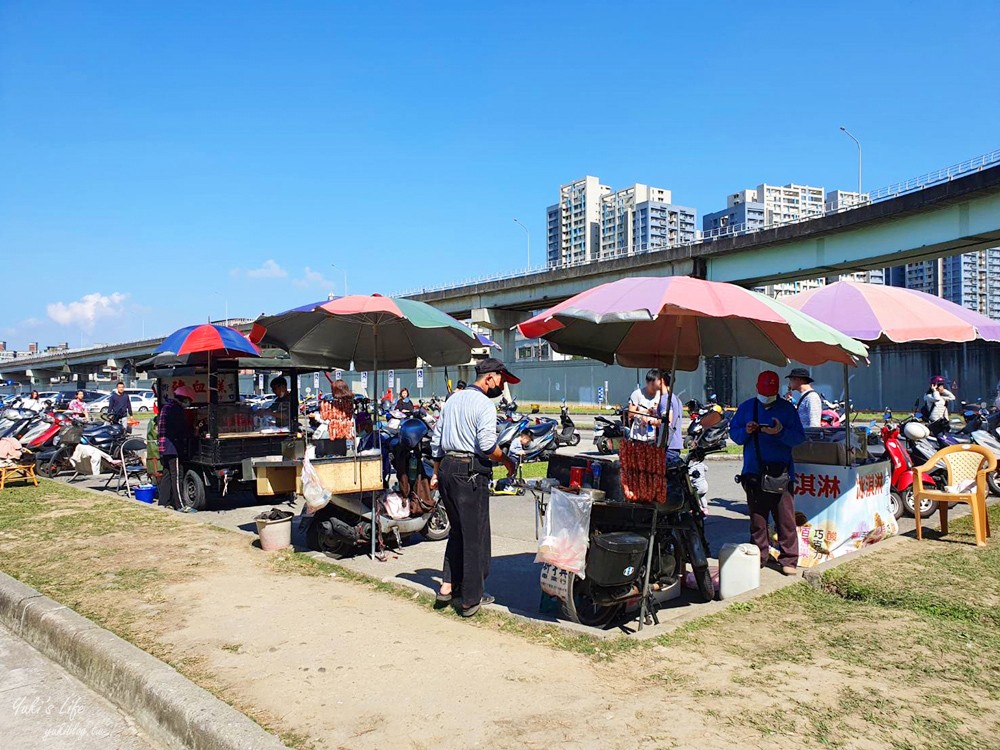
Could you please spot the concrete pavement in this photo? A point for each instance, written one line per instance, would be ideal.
(43, 706)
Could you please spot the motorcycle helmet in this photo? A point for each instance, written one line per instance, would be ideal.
(412, 431)
(916, 431)
(937, 380)
(184, 391)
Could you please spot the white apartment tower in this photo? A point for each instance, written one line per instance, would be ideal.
(789, 202)
(573, 225)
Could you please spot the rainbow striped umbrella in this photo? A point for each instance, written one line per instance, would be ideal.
(673, 321)
(210, 340)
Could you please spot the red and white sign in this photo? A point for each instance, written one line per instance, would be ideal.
(225, 383)
(840, 509)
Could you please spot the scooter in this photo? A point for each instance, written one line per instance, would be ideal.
(345, 525)
(535, 442)
(901, 483)
(608, 433)
(567, 434)
(921, 446)
(981, 428)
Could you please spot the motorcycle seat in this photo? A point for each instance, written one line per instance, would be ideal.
(537, 430)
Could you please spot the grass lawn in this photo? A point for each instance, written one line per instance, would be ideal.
(897, 649)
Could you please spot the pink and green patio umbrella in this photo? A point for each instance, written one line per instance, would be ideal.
(367, 332)
(672, 321)
(892, 315)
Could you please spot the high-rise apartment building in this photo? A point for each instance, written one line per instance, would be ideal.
(743, 212)
(573, 225)
(591, 222)
(640, 218)
(971, 280)
(791, 202)
(841, 199)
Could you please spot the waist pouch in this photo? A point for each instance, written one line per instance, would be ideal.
(470, 464)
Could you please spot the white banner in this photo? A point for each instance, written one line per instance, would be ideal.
(841, 509)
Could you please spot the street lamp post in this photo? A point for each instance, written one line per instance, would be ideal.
(851, 136)
(334, 265)
(517, 221)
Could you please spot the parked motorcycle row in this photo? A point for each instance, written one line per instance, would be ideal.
(911, 442)
(53, 436)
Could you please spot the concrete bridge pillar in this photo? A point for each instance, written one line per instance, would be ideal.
(500, 322)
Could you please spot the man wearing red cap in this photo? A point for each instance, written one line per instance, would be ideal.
(768, 428)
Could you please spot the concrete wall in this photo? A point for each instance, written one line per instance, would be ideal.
(897, 376)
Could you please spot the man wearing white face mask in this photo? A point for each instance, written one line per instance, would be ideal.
(463, 447)
(768, 428)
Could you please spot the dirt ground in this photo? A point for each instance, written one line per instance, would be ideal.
(328, 662)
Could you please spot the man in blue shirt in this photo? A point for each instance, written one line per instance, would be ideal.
(119, 405)
(768, 428)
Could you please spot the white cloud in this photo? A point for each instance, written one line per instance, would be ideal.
(268, 270)
(86, 311)
(312, 278)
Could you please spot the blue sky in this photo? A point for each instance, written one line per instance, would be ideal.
(162, 161)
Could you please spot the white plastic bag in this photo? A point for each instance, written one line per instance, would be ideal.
(312, 488)
(397, 506)
(567, 532)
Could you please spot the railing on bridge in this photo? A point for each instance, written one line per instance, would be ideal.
(888, 192)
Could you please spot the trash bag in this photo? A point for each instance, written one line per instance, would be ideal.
(316, 495)
(275, 514)
(566, 534)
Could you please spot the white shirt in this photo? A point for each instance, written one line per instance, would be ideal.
(937, 402)
(811, 409)
(646, 406)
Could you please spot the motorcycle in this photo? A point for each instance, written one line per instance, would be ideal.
(535, 442)
(901, 483)
(622, 546)
(608, 433)
(567, 434)
(922, 444)
(982, 427)
(345, 525)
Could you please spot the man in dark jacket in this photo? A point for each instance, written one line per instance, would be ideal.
(174, 435)
(119, 404)
(768, 428)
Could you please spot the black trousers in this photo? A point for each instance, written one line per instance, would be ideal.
(466, 498)
(170, 483)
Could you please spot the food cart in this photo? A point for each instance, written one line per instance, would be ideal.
(841, 495)
(232, 442)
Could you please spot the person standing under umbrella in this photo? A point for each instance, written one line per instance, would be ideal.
(810, 402)
(463, 444)
(768, 428)
(174, 436)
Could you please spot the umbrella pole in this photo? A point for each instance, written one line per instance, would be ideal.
(378, 439)
(847, 417)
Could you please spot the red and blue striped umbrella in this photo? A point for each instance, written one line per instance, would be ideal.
(217, 341)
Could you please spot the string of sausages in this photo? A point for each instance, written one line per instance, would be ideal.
(643, 471)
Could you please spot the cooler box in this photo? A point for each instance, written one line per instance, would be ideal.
(613, 559)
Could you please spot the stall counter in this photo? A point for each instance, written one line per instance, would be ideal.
(841, 509)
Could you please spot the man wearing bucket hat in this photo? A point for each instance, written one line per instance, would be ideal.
(768, 428)
(174, 436)
(810, 402)
(463, 446)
